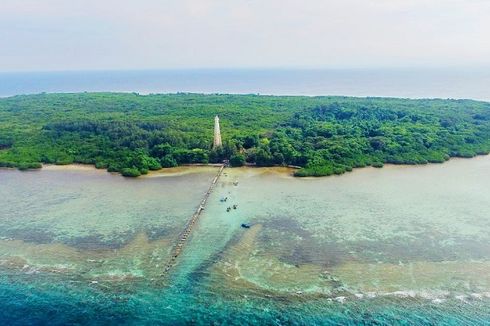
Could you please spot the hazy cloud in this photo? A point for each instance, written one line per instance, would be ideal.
(110, 34)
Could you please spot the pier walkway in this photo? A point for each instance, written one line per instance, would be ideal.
(184, 236)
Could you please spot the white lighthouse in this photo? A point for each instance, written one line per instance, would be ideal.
(217, 133)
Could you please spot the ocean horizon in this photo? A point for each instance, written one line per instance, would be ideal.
(469, 83)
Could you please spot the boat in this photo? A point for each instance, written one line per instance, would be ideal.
(246, 225)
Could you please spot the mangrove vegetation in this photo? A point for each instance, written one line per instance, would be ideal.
(133, 134)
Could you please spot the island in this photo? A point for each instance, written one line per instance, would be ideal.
(131, 133)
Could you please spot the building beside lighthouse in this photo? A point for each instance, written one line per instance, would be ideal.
(217, 134)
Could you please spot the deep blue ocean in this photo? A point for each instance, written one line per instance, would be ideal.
(408, 83)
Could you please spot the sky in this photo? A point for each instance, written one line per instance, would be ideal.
(46, 35)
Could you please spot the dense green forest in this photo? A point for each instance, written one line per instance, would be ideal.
(132, 133)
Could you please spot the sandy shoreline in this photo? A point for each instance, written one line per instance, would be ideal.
(281, 170)
(175, 171)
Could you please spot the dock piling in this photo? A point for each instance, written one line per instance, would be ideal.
(184, 235)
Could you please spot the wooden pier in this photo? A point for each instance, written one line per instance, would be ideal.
(184, 236)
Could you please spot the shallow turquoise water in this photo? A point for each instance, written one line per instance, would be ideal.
(400, 245)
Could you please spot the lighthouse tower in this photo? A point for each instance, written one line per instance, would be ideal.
(217, 133)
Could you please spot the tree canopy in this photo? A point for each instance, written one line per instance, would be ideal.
(132, 133)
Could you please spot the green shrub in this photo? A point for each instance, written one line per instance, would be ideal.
(339, 170)
(153, 164)
(23, 166)
(112, 168)
(130, 172)
(168, 161)
(7, 164)
(101, 165)
(65, 161)
(237, 160)
(263, 157)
